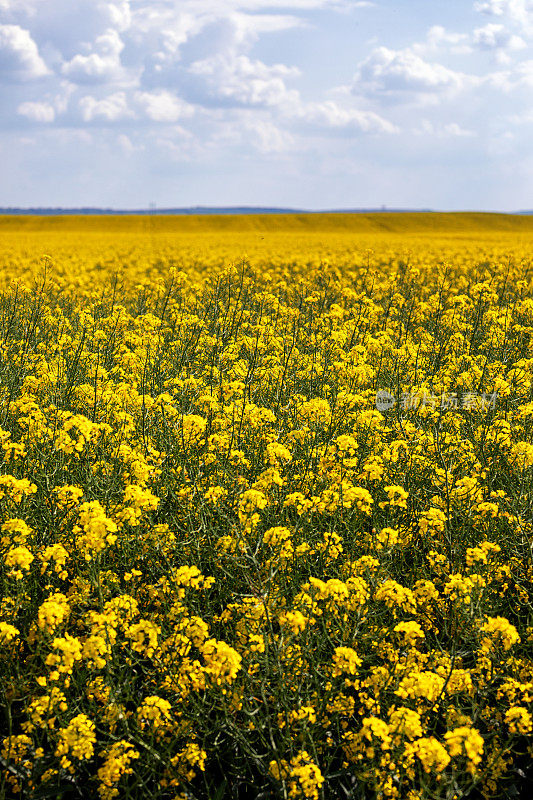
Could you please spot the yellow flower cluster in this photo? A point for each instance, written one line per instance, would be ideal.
(301, 774)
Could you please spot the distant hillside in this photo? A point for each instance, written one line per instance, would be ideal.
(193, 210)
(464, 224)
(217, 210)
(141, 211)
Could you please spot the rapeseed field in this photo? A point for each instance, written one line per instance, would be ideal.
(266, 507)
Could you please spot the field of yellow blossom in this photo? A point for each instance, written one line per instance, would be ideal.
(266, 525)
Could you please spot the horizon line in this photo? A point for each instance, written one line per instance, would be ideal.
(244, 209)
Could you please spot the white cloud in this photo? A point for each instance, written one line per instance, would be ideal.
(255, 131)
(239, 80)
(512, 80)
(454, 129)
(119, 13)
(49, 106)
(112, 108)
(62, 98)
(163, 106)
(498, 39)
(127, 146)
(438, 38)
(393, 73)
(199, 30)
(37, 112)
(524, 73)
(179, 146)
(222, 6)
(441, 131)
(519, 11)
(101, 66)
(90, 16)
(22, 6)
(19, 55)
(212, 34)
(330, 114)
(269, 138)
(198, 53)
(525, 118)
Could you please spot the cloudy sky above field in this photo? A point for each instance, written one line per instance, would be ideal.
(305, 103)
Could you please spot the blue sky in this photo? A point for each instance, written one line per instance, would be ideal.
(304, 103)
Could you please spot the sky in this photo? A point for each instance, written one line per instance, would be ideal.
(313, 104)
